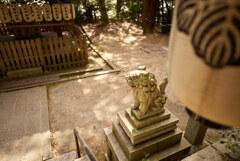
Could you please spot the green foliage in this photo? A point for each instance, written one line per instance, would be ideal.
(145, 157)
(132, 10)
(231, 138)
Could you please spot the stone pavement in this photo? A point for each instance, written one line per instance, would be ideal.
(24, 130)
(214, 152)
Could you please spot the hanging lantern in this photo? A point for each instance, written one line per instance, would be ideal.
(4, 14)
(204, 59)
(57, 14)
(47, 12)
(15, 13)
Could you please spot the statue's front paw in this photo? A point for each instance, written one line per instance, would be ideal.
(155, 108)
(139, 114)
(133, 107)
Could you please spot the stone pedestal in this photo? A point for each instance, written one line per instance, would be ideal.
(195, 131)
(130, 139)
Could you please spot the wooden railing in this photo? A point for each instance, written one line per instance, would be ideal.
(49, 53)
(84, 146)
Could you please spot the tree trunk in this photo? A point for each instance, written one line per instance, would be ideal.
(162, 8)
(158, 13)
(118, 8)
(103, 11)
(169, 16)
(149, 15)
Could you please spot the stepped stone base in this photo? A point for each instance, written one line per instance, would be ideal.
(130, 138)
(116, 152)
(146, 133)
(148, 121)
(148, 114)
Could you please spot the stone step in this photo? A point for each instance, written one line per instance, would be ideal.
(170, 153)
(136, 152)
(145, 122)
(114, 152)
(140, 135)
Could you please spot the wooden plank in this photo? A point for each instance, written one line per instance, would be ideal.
(35, 54)
(10, 57)
(47, 53)
(15, 55)
(66, 42)
(81, 51)
(2, 65)
(62, 53)
(4, 56)
(77, 49)
(20, 54)
(72, 52)
(40, 53)
(52, 53)
(85, 48)
(25, 53)
(33, 63)
(57, 52)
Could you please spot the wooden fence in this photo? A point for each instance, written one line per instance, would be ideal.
(49, 53)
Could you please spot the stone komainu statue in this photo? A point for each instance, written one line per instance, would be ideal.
(147, 95)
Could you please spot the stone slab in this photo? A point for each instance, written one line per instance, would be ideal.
(149, 113)
(136, 152)
(116, 150)
(206, 154)
(174, 152)
(140, 135)
(148, 121)
(24, 130)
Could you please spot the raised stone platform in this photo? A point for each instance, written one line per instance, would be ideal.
(148, 114)
(115, 151)
(151, 120)
(150, 130)
(149, 147)
(130, 138)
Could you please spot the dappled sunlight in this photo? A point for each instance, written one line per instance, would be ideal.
(109, 55)
(99, 77)
(128, 98)
(86, 91)
(26, 147)
(129, 39)
(79, 80)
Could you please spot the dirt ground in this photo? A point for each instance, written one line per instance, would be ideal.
(91, 104)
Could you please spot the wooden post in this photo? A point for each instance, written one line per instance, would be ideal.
(85, 49)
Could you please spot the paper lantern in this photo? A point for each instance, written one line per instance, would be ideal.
(27, 13)
(66, 12)
(73, 11)
(57, 14)
(16, 13)
(37, 13)
(47, 12)
(204, 60)
(4, 15)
